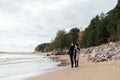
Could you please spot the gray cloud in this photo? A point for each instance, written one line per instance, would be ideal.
(29, 22)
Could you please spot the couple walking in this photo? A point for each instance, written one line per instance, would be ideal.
(74, 53)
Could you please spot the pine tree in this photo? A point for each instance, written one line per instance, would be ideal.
(113, 21)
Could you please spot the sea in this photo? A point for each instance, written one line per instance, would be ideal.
(20, 67)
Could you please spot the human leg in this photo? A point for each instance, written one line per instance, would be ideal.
(71, 59)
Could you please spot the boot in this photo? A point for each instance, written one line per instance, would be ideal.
(77, 63)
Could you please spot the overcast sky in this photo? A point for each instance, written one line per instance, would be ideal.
(26, 23)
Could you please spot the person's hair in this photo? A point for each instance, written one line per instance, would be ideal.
(77, 45)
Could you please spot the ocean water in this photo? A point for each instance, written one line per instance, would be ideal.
(20, 67)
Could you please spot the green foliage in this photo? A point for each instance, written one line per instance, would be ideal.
(118, 31)
(113, 22)
(102, 33)
(103, 28)
(74, 34)
(96, 33)
(59, 40)
(42, 47)
(62, 41)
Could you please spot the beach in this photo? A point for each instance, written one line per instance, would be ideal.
(22, 65)
(27, 66)
(86, 71)
(44, 39)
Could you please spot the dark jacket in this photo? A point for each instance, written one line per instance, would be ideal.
(71, 50)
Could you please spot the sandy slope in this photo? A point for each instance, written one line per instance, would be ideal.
(86, 71)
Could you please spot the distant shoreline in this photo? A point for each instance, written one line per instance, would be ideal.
(17, 53)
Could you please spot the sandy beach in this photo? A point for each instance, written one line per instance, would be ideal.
(85, 71)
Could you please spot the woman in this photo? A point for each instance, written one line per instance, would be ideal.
(77, 54)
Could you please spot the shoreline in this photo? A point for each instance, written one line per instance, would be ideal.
(63, 59)
(86, 71)
(60, 60)
(64, 63)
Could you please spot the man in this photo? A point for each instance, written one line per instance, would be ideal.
(71, 53)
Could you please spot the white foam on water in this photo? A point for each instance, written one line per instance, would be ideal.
(19, 67)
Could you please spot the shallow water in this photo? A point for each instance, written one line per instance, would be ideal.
(19, 67)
